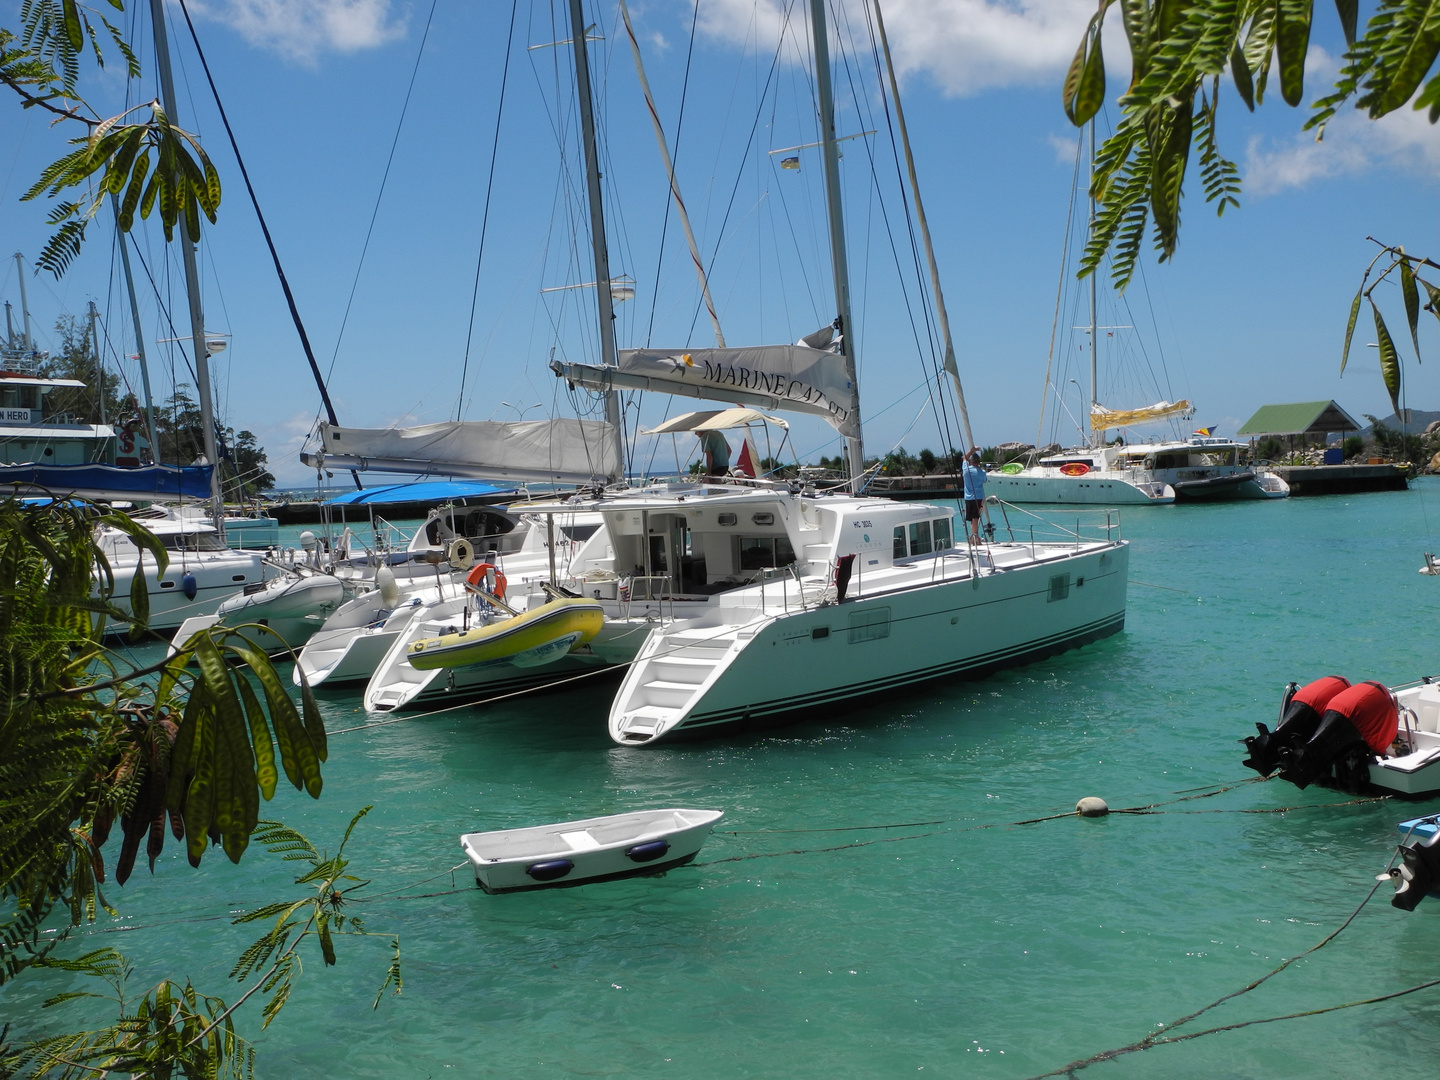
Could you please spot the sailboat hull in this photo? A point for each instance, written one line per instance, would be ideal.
(1093, 489)
(775, 670)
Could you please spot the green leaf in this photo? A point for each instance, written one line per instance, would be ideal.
(1070, 90)
(1389, 358)
(1292, 42)
(1240, 73)
(139, 601)
(1412, 303)
(1350, 326)
(1434, 293)
(297, 754)
(126, 216)
(1349, 11)
(72, 25)
(264, 748)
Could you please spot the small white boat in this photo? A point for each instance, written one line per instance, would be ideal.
(593, 849)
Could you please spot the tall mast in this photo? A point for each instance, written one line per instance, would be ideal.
(951, 368)
(854, 450)
(1092, 437)
(139, 337)
(24, 306)
(603, 299)
(99, 362)
(192, 279)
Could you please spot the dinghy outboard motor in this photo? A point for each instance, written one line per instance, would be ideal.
(1300, 713)
(1358, 724)
(1417, 874)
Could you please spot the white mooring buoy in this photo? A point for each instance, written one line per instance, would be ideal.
(1090, 806)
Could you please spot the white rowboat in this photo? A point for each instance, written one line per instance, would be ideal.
(593, 849)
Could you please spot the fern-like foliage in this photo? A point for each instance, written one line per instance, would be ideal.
(1178, 50)
(193, 754)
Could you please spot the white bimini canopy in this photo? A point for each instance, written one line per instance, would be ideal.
(719, 420)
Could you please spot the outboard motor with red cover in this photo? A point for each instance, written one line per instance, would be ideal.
(1300, 714)
(1359, 723)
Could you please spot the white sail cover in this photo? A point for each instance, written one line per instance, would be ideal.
(796, 378)
(559, 451)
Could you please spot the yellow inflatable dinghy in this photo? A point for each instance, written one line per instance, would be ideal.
(530, 639)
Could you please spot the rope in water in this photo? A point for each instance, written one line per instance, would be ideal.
(1158, 1038)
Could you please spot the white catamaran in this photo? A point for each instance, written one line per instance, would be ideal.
(782, 599)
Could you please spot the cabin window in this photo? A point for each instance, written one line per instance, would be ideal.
(942, 533)
(578, 533)
(869, 624)
(193, 542)
(726, 519)
(920, 538)
(899, 551)
(762, 552)
(1059, 587)
(763, 518)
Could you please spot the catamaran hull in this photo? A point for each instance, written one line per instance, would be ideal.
(1091, 490)
(839, 655)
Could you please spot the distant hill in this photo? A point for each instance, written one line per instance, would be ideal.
(1418, 422)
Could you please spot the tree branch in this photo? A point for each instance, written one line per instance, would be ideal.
(32, 99)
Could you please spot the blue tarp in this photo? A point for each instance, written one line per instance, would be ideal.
(436, 491)
(151, 483)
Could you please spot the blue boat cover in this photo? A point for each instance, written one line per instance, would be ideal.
(436, 491)
(147, 482)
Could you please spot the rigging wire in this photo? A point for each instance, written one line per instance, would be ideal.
(265, 228)
(489, 189)
(384, 178)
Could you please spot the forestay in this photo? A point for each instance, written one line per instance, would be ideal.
(559, 451)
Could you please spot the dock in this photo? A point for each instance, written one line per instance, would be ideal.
(1342, 479)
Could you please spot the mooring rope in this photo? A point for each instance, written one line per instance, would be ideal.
(1161, 1037)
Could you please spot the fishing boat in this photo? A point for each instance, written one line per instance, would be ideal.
(635, 844)
(1357, 738)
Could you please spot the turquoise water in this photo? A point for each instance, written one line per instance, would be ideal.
(921, 949)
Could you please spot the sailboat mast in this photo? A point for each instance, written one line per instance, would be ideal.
(854, 450)
(139, 336)
(192, 279)
(24, 305)
(951, 368)
(1092, 437)
(99, 361)
(604, 301)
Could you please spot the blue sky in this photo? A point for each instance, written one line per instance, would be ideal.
(1250, 311)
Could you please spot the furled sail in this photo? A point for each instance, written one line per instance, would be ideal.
(555, 451)
(796, 378)
(1102, 418)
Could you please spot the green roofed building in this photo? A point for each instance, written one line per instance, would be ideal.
(1304, 418)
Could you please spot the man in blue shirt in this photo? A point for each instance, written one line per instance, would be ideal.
(717, 453)
(974, 477)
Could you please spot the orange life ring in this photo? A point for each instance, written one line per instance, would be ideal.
(1075, 468)
(476, 579)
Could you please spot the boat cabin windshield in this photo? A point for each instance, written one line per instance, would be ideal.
(192, 541)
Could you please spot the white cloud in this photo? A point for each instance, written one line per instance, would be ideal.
(965, 46)
(1064, 147)
(300, 30)
(1405, 139)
